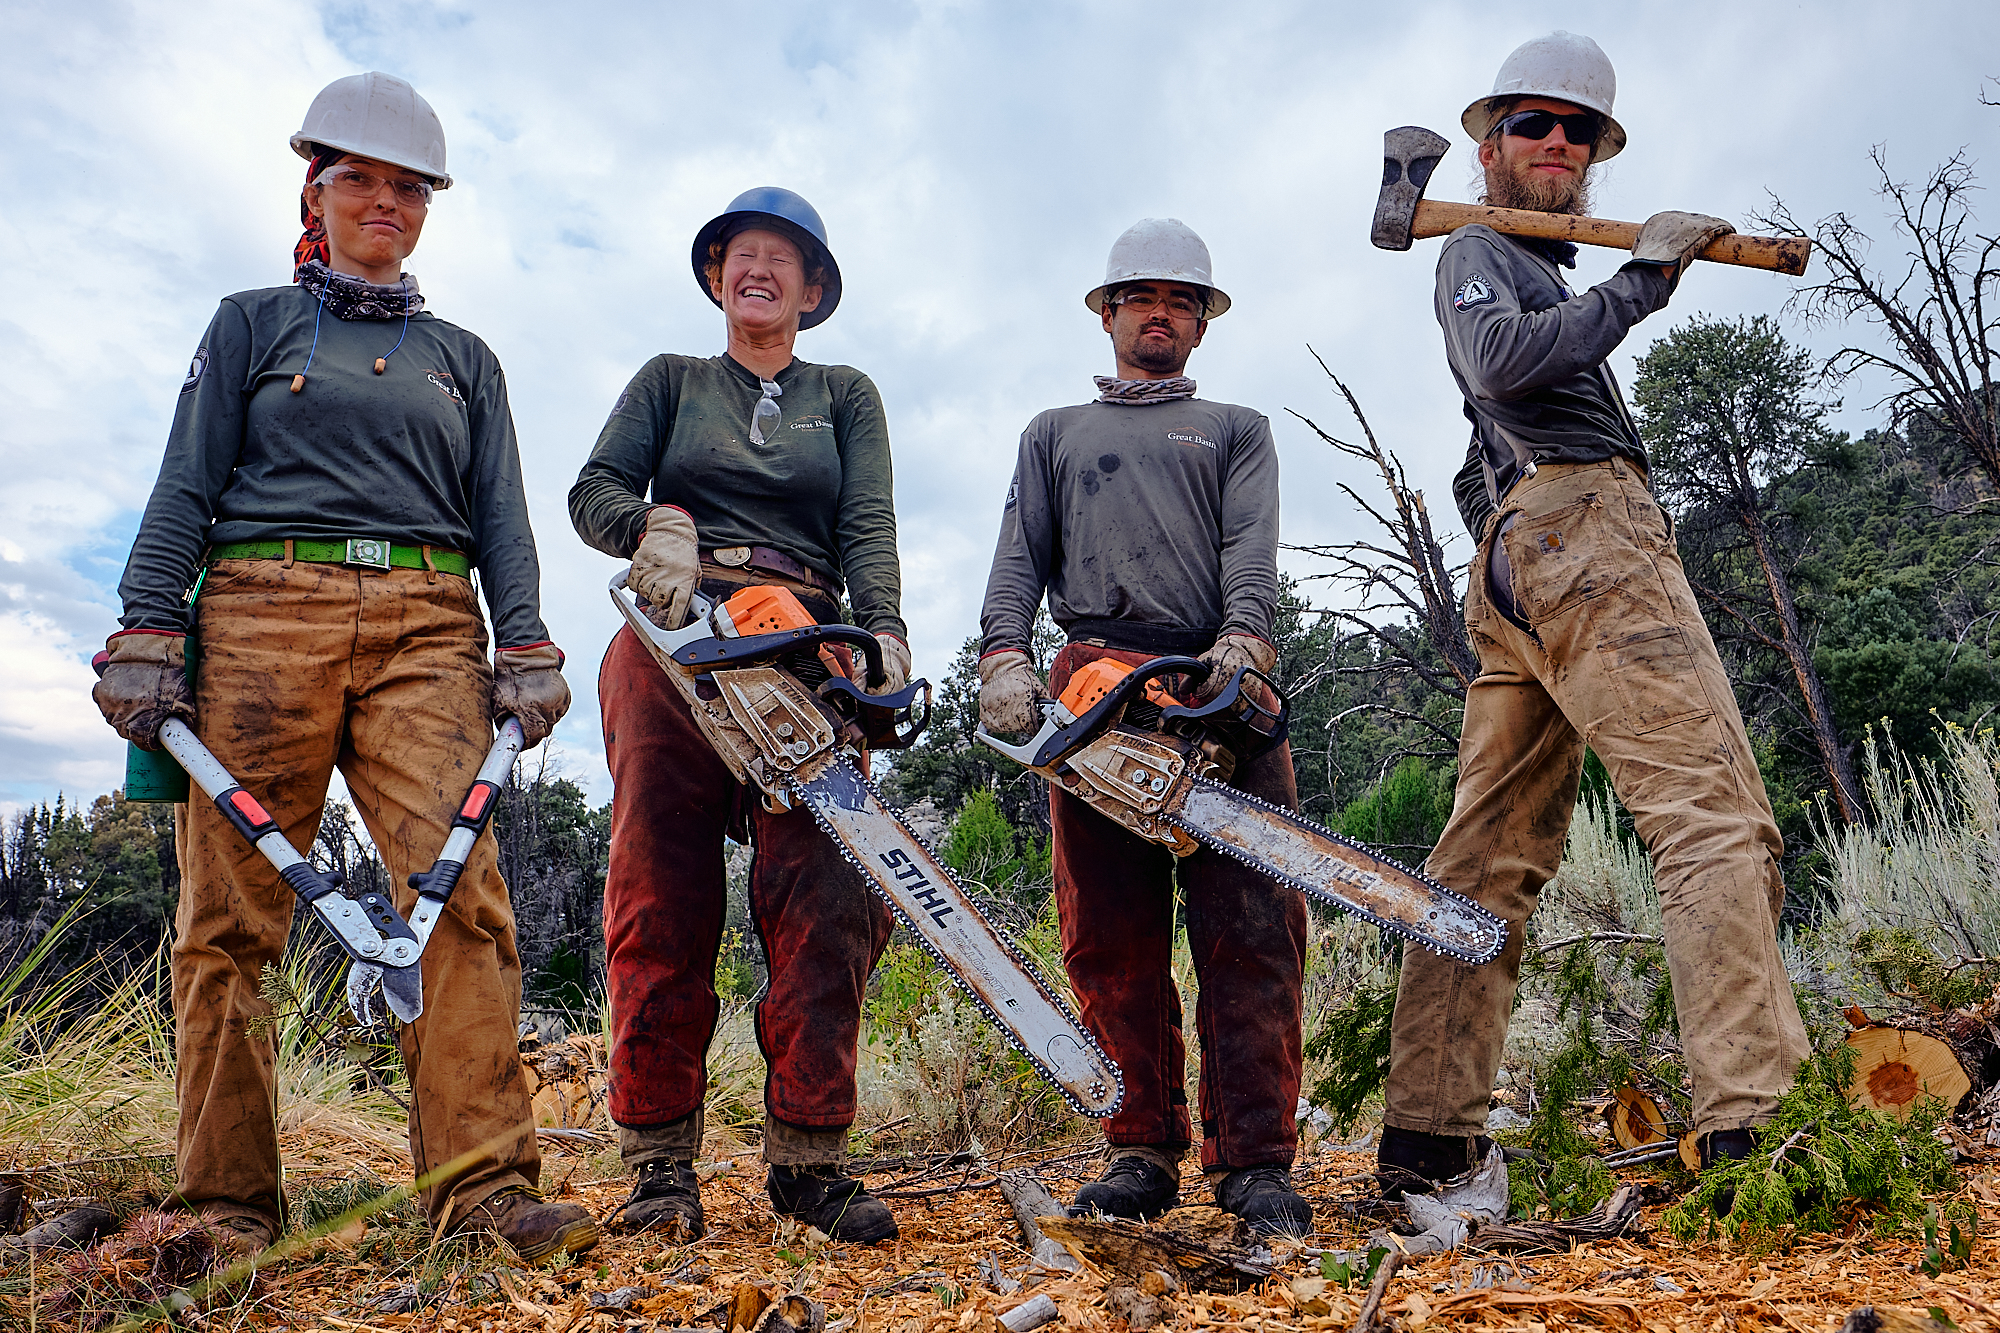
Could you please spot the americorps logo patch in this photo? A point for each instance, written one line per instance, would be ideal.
(196, 369)
(1475, 290)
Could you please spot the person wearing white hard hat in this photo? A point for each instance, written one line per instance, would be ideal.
(341, 460)
(1149, 519)
(1586, 630)
(753, 467)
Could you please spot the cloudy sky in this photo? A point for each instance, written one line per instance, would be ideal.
(973, 162)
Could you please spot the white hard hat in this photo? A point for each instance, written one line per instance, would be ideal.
(1564, 67)
(379, 116)
(1159, 250)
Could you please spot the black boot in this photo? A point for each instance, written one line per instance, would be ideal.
(1725, 1145)
(665, 1198)
(1407, 1162)
(1263, 1196)
(1130, 1187)
(837, 1204)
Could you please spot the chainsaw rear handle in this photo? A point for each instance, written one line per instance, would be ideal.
(1055, 739)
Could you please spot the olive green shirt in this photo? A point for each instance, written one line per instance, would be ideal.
(819, 489)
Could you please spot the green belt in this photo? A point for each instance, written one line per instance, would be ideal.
(363, 552)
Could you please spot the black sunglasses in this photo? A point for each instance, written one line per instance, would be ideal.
(1579, 127)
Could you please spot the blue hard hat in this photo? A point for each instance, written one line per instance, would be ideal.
(783, 212)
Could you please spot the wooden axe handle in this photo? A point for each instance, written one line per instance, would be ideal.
(1440, 217)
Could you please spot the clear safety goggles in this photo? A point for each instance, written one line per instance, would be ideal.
(362, 183)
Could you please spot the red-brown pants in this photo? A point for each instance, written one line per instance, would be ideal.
(382, 674)
(1115, 896)
(821, 926)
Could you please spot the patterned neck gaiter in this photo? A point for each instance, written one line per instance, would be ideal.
(348, 297)
(1142, 393)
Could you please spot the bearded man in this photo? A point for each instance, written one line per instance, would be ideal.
(1586, 632)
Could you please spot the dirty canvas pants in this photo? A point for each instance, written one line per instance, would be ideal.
(1115, 900)
(822, 929)
(1618, 659)
(384, 675)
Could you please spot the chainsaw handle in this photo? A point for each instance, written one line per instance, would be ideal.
(1057, 739)
(887, 721)
(1235, 718)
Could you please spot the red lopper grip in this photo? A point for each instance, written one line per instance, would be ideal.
(246, 805)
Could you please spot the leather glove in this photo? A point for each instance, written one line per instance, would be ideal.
(528, 684)
(1008, 688)
(144, 683)
(1674, 239)
(895, 665)
(667, 565)
(1230, 652)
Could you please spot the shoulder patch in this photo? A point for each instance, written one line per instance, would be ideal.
(196, 369)
(1474, 291)
(1013, 492)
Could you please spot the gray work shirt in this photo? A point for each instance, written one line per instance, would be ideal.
(1164, 515)
(1528, 355)
(422, 454)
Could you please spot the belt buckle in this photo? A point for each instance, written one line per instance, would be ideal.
(733, 556)
(369, 552)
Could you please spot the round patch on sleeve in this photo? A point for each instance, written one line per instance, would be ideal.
(196, 369)
(1475, 290)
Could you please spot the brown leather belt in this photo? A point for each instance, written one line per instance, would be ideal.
(770, 562)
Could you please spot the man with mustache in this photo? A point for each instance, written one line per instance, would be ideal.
(1150, 519)
(1586, 632)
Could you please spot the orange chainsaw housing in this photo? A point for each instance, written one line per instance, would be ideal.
(763, 609)
(1096, 679)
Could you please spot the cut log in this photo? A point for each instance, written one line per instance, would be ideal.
(1894, 1069)
(1635, 1119)
(1202, 1247)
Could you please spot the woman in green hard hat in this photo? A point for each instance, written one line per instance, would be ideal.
(341, 460)
(752, 467)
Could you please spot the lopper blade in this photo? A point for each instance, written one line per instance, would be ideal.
(403, 987)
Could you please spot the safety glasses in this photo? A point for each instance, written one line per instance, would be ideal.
(1178, 305)
(1579, 127)
(364, 184)
(764, 417)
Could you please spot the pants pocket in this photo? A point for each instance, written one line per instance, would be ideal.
(1654, 674)
(1566, 556)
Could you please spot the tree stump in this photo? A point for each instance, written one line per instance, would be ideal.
(1895, 1068)
(1635, 1119)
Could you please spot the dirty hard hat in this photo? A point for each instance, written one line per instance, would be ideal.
(379, 116)
(790, 216)
(1159, 250)
(1564, 67)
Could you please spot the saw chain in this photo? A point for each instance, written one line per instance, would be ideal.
(759, 677)
(1125, 746)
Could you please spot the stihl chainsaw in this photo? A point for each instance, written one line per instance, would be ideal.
(1119, 741)
(758, 676)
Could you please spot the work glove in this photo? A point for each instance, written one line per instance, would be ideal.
(528, 684)
(1228, 653)
(667, 565)
(144, 683)
(1674, 239)
(895, 665)
(1008, 689)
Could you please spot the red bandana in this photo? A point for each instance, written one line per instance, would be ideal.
(312, 245)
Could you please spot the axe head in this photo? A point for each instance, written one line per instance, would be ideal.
(1409, 155)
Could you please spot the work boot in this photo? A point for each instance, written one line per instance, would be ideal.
(239, 1234)
(1263, 1196)
(1131, 1187)
(667, 1199)
(837, 1204)
(1407, 1162)
(535, 1227)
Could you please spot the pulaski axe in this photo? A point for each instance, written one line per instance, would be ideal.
(1402, 214)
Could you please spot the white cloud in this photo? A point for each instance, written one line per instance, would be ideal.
(973, 162)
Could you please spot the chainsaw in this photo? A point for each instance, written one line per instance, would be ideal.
(1118, 740)
(773, 699)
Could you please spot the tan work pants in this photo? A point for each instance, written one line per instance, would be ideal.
(1618, 658)
(383, 674)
